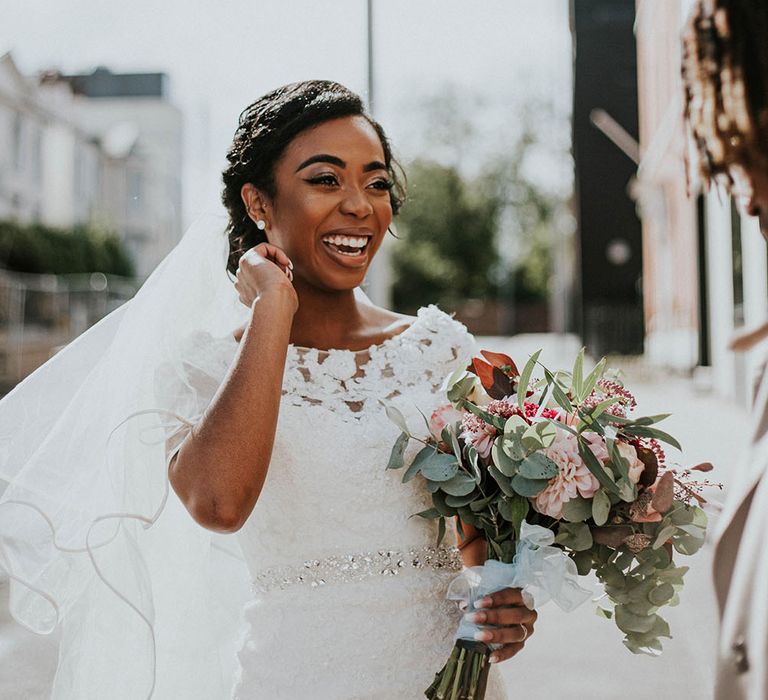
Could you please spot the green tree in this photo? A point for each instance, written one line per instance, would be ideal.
(447, 252)
(41, 249)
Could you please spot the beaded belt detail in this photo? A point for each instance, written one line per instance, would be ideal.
(345, 568)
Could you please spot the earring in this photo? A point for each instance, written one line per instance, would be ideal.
(261, 225)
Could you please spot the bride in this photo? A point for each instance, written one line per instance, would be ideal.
(259, 402)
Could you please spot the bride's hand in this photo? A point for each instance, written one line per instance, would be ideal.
(513, 622)
(264, 269)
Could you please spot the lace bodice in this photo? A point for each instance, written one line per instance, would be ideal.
(333, 439)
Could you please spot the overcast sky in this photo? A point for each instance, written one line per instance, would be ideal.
(494, 56)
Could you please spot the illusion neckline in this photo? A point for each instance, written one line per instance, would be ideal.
(304, 349)
(398, 337)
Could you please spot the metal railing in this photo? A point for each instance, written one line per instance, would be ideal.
(41, 313)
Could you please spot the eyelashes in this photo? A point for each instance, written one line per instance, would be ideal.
(332, 181)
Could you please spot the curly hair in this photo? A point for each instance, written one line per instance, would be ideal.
(265, 129)
(725, 77)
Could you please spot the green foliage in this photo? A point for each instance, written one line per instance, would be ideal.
(41, 249)
(448, 231)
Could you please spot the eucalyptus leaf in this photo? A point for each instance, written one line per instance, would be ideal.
(472, 458)
(461, 389)
(627, 621)
(577, 510)
(396, 417)
(512, 445)
(531, 439)
(575, 536)
(547, 432)
(515, 424)
(577, 381)
(418, 462)
(601, 507)
(655, 433)
(663, 535)
(504, 463)
(481, 503)
(593, 377)
(502, 480)
(459, 485)
(594, 465)
(561, 425)
(398, 451)
(440, 504)
(687, 544)
(661, 594)
(514, 510)
(440, 532)
(429, 514)
(528, 487)
(525, 378)
(440, 467)
(557, 392)
(537, 466)
(583, 561)
(458, 501)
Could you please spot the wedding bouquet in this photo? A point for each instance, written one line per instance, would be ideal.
(563, 480)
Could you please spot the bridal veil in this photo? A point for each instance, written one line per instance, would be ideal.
(93, 539)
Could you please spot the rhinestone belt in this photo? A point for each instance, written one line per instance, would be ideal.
(356, 567)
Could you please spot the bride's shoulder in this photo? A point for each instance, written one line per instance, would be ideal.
(437, 320)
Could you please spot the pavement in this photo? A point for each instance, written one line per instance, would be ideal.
(575, 656)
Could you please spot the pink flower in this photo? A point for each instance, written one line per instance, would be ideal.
(629, 453)
(478, 433)
(445, 415)
(598, 446)
(574, 478)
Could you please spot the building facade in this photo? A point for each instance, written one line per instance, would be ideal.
(705, 271)
(98, 149)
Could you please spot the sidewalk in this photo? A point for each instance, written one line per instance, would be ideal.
(575, 656)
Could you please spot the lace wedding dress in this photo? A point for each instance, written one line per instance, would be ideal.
(348, 589)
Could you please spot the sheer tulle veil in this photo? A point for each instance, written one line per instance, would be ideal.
(93, 539)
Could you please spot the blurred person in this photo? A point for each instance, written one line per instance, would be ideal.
(256, 397)
(725, 74)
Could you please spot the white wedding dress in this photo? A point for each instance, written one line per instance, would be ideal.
(348, 589)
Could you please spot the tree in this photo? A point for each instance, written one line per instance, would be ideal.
(447, 251)
(41, 249)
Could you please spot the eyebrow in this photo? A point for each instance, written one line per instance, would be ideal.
(335, 160)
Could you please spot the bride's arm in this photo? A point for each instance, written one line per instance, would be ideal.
(220, 469)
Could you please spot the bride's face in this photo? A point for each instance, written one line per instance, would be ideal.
(332, 208)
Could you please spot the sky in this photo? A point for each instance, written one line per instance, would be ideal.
(489, 59)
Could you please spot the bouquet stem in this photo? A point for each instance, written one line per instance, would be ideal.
(465, 674)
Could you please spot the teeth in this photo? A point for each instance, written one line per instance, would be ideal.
(346, 241)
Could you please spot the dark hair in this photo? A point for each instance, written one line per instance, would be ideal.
(725, 74)
(265, 129)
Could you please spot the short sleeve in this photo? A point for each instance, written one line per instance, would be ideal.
(184, 388)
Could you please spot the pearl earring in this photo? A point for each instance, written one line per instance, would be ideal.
(261, 225)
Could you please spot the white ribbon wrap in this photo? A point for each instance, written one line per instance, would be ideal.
(542, 571)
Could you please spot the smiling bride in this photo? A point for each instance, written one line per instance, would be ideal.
(239, 394)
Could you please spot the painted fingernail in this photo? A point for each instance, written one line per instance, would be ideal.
(475, 617)
(484, 603)
(290, 264)
(493, 659)
(483, 636)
